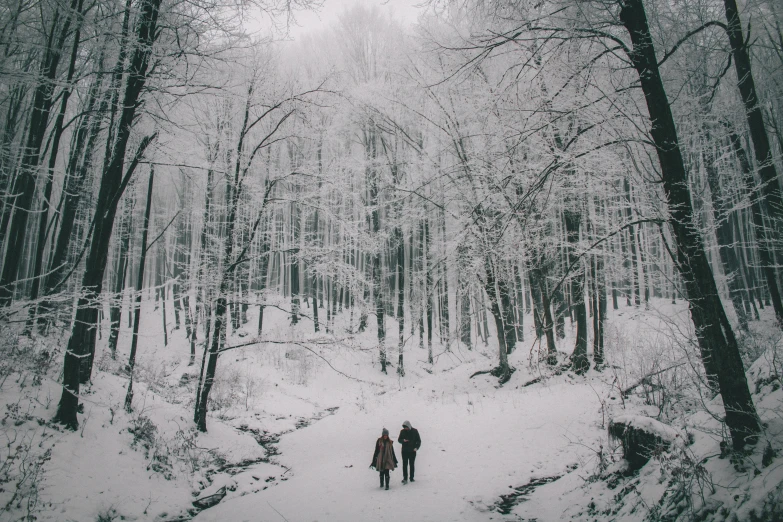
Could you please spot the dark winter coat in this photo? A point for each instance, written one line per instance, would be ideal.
(410, 440)
(384, 456)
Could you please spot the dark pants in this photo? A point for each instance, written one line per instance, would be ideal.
(385, 475)
(408, 458)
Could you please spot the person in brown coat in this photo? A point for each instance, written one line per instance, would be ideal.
(384, 460)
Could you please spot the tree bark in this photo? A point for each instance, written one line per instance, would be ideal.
(579, 356)
(503, 371)
(400, 300)
(81, 344)
(759, 229)
(138, 294)
(770, 184)
(24, 184)
(718, 346)
(115, 309)
(43, 218)
(728, 255)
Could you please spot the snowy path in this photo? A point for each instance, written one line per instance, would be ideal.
(475, 445)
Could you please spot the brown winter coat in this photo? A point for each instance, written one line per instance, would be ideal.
(384, 457)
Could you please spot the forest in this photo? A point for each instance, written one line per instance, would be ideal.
(205, 218)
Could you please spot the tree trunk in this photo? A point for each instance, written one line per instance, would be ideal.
(728, 255)
(632, 242)
(759, 230)
(76, 174)
(464, 319)
(138, 294)
(538, 303)
(507, 313)
(503, 371)
(519, 303)
(43, 220)
(719, 350)
(400, 299)
(579, 355)
(428, 288)
(81, 344)
(115, 309)
(24, 185)
(770, 184)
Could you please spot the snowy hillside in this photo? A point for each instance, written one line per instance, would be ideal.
(292, 429)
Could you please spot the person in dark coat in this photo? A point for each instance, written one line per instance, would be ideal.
(411, 442)
(384, 459)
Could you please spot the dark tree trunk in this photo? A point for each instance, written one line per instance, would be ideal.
(599, 311)
(444, 298)
(519, 304)
(628, 275)
(263, 274)
(163, 296)
(43, 220)
(428, 288)
(189, 328)
(75, 175)
(115, 309)
(422, 291)
(14, 102)
(632, 242)
(214, 350)
(770, 183)
(561, 307)
(491, 286)
(464, 319)
(334, 305)
(81, 345)
(507, 313)
(579, 356)
(314, 290)
(24, 185)
(138, 294)
(373, 181)
(718, 345)
(728, 255)
(538, 303)
(759, 229)
(400, 300)
(295, 298)
(214, 346)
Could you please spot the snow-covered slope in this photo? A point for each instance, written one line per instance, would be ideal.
(293, 428)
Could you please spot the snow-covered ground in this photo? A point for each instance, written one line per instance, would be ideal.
(292, 432)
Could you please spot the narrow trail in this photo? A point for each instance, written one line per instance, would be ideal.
(477, 442)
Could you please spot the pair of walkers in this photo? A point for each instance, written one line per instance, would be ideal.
(384, 459)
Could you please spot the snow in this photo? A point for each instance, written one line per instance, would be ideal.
(317, 425)
(650, 425)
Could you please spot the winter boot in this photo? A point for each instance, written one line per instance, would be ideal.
(404, 481)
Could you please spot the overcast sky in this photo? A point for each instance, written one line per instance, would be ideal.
(307, 21)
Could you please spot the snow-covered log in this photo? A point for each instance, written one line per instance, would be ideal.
(642, 437)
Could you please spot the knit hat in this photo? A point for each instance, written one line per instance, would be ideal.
(407, 424)
(385, 432)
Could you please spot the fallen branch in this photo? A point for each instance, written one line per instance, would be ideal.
(302, 345)
(481, 372)
(646, 378)
(532, 382)
(503, 374)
